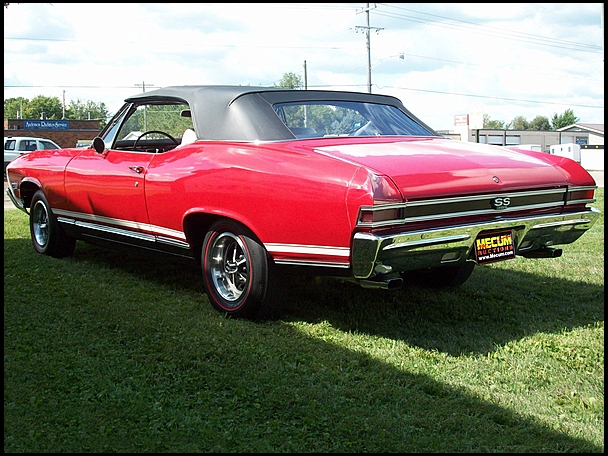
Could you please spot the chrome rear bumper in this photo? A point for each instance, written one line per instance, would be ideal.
(372, 254)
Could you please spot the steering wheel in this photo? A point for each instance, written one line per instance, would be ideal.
(366, 130)
(155, 131)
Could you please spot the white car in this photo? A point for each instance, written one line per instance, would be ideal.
(17, 145)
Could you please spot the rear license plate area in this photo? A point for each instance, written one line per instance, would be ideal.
(494, 246)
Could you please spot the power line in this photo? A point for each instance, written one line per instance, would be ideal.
(551, 75)
(328, 86)
(455, 24)
(493, 97)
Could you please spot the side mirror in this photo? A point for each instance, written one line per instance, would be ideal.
(99, 145)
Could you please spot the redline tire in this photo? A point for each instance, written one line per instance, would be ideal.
(47, 235)
(239, 276)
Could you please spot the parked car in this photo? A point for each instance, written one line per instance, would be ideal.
(252, 183)
(17, 145)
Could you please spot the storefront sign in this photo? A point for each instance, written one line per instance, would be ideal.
(46, 125)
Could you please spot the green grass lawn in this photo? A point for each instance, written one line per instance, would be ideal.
(106, 352)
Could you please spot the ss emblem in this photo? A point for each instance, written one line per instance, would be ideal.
(501, 203)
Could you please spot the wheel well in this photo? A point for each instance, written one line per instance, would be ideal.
(27, 190)
(196, 227)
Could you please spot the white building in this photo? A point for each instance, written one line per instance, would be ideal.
(589, 137)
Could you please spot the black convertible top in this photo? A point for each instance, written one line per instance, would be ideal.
(245, 113)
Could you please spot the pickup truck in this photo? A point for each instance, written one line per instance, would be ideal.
(17, 145)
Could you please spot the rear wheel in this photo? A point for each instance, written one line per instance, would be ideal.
(47, 235)
(240, 278)
(440, 277)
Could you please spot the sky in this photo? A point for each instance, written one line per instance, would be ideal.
(441, 60)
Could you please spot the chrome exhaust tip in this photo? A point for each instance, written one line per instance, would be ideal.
(384, 283)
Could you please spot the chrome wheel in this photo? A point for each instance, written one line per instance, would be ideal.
(239, 277)
(40, 224)
(229, 267)
(47, 235)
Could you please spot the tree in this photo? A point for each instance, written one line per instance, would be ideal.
(85, 110)
(165, 118)
(13, 107)
(45, 107)
(567, 118)
(539, 123)
(492, 124)
(290, 81)
(518, 123)
(33, 109)
(53, 109)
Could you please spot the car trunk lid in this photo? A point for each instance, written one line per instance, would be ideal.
(429, 167)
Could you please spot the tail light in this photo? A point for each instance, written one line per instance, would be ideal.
(580, 195)
(388, 203)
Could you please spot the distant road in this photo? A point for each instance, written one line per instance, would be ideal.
(597, 175)
(7, 202)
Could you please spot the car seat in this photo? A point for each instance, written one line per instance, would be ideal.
(188, 137)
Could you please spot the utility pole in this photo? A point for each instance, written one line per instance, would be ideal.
(369, 53)
(143, 86)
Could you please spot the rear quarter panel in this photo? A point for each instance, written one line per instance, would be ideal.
(284, 195)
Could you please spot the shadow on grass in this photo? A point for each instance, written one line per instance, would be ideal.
(212, 387)
(473, 318)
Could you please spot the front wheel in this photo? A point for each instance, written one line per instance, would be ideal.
(240, 279)
(47, 235)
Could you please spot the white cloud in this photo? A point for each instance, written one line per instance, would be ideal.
(524, 59)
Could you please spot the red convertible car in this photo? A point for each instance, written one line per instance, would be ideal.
(255, 182)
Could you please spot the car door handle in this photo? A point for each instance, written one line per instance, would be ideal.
(137, 169)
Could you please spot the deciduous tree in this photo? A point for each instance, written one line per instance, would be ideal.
(560, 121)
